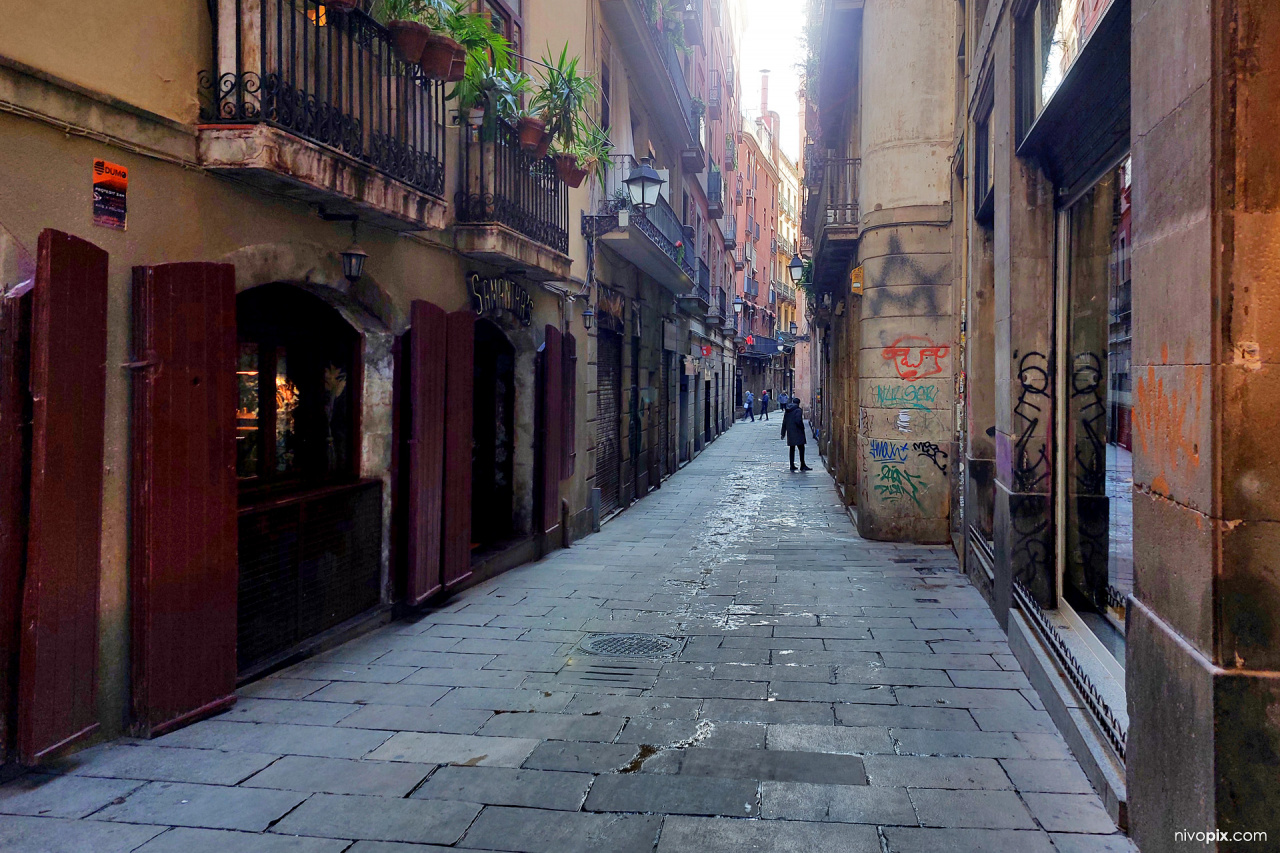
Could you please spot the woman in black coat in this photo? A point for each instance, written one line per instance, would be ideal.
(793, 432)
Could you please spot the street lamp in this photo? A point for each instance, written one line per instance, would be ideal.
(353, 258)
(737, 304)
(643, 184)
(793, 329)
(587, 315)
(796, 268)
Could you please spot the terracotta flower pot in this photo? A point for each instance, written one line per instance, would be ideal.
(458, 68)
(437, 56)
(532, 133)
(408, 38)
(567, 169)
(543, 146)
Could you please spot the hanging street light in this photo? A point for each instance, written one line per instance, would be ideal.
(353, 258)
(587, 316)
(796, 268)
(737, 304)
(643, 184)
(794, 328)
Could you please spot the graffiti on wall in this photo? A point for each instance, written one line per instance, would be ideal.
(1087, 375)
(1031, 456)
(882, 450)
(933, 453)
(1165, 412)
(896, 483)
(905, 396)
(915, 357)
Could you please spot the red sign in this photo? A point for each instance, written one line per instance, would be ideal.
(110, 187)
(706, 350)
(751, 339)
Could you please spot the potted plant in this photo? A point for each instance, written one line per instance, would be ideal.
(403, 19)
(591, 151)
(439, 48)
(531, 130)
(564, 96)
(474, 37)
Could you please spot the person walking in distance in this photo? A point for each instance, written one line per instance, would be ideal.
(793, 432)
(748, 406)
(764, 404)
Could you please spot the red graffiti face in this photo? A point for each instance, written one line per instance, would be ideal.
(916, 357)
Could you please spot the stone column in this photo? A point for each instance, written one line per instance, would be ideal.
(905, 422)
(1203, 671)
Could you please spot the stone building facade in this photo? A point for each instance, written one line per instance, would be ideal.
(1061, 272)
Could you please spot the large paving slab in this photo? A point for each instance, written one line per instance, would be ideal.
(831, 694)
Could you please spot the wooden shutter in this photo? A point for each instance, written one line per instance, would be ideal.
(58, 661)
(15, 475)
(183, 557)
(569, 384)
(426, 450)
(458, 429)
(551, 411)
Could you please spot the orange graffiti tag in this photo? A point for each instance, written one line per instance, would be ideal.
(925, 362)
(1160, 421)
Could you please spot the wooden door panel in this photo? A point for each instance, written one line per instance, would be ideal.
(426, 449)
(184, 571)
(551, 411)
(569, 385)
(458, 431)
(15, 471)
(58, 661)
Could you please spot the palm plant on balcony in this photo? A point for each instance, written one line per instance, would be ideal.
(439, 35)
(485, 88)
(562, 99)
(585, 156)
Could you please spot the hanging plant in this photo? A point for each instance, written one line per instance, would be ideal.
(563, 97)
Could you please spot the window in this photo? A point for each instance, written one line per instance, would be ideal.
(505, 17)
(606, 95)
(1050, 38)
(298, 390)
(984, 151)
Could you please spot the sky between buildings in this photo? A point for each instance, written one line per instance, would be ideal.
(772, 40)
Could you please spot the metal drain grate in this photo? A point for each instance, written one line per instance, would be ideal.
(649, 646)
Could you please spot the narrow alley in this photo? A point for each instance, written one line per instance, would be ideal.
(784, 686)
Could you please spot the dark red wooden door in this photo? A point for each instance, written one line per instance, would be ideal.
(15, 471)
(58, 661)
(183, 562)
(549, 439)
(569, 385)
(458, 430)
(426, 449)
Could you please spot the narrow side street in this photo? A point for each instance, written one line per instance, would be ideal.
(826, 693)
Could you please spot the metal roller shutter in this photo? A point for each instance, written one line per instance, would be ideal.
(608, 419)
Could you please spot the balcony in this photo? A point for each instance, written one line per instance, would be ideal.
(715, 193)
(694, 36)
(751, 287)
(718, 314)
(318, 107)
(646, 239)
(651, 57)
(740, 259)
(729, 228)
(714, 96)
(512, 208)
(698, 301)
(835, 219)
(785, 292)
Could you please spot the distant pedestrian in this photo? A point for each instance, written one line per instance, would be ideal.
(748, 405)
(782, 399)
(793, 432)
(764, 404)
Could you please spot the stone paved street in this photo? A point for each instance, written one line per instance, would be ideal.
(832, 694)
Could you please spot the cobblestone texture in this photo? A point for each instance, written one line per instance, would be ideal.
(833, 694)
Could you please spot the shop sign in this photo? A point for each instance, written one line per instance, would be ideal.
(706, 350)
(855, 280)
(492, 295)
(110, 190)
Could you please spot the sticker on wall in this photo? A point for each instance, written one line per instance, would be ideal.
(855, 281)
(110, 190)
(706, 350)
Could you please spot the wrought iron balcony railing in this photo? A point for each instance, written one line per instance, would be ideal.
(659, 223)
(504, 184)
(704, 282)
(331, 78)
(840, 190)
(729, 228)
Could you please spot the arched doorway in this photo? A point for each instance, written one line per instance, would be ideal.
(310, 550)
(493, 450)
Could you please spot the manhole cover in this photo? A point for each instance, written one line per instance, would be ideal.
(651, 646)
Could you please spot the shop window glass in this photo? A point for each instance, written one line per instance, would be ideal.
(296, 413)
(1097, 565)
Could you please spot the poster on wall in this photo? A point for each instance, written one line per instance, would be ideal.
(110, 191)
